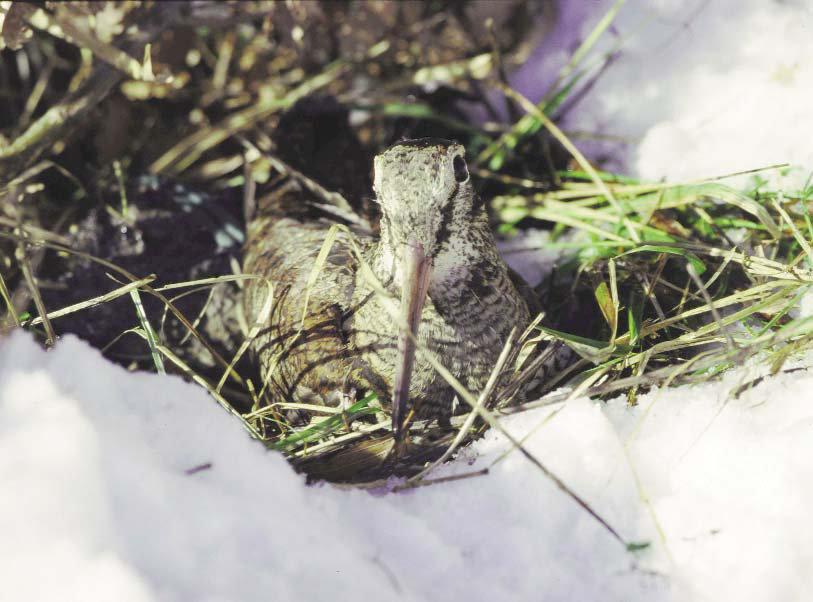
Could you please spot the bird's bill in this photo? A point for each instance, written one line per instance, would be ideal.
(416, 269)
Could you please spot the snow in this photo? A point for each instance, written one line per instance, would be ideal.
(698, 88)
(94, 464)
(102, 500)
(123, 486)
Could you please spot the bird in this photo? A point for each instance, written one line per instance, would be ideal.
(329, 334)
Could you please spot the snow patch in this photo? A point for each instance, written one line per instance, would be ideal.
(138, 487)
(697, 89)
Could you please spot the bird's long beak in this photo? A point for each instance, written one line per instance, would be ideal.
(416, 268)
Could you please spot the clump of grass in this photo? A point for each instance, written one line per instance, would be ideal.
(687, 286)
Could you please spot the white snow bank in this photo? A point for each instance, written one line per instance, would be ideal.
(97, 503)
(697, 88)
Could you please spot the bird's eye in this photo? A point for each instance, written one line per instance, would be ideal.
(461, 172)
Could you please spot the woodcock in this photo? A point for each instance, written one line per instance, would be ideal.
(435, 252)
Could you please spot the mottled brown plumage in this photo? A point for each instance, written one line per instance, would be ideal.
(349, 341)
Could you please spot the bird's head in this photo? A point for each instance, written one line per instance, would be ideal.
(425, 191)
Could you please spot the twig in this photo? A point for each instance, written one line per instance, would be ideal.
(411, 484)
(114, 294)
(187, 151)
